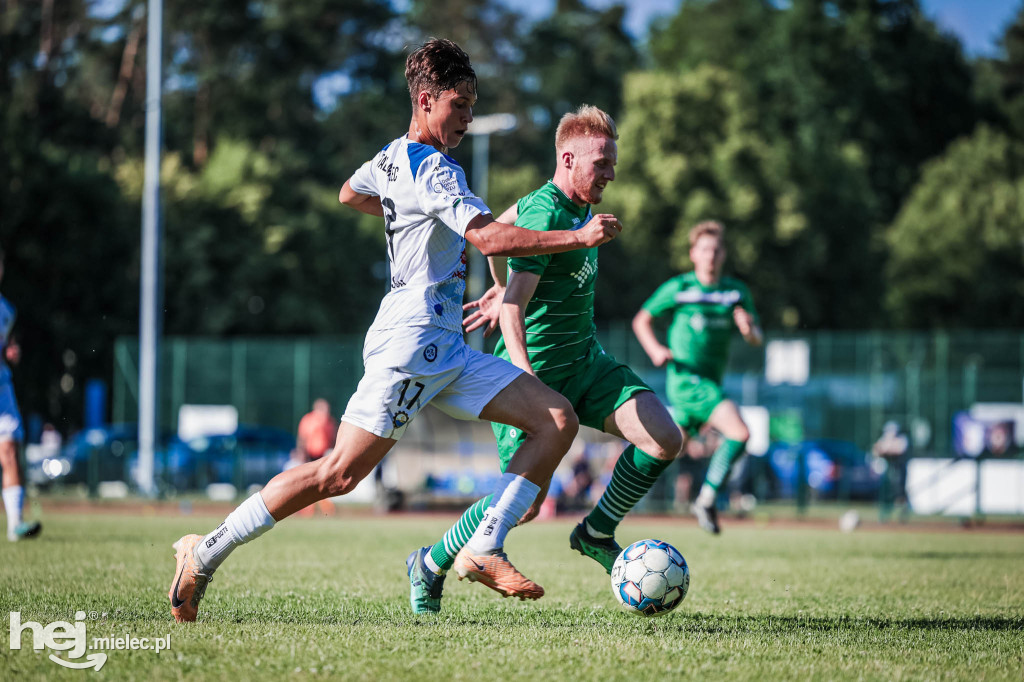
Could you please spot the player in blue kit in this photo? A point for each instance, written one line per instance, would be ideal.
(11, 431)
(414, 351)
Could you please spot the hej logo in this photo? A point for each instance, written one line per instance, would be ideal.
(58, 636)
(71, 637)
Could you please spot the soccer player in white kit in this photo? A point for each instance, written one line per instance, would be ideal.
(11, 431)
(414, 351)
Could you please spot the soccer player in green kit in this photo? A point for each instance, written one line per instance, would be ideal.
(705, 309)
(547, 321)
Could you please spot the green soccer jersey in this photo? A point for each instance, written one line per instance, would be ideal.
(702, 322)
(560, 317)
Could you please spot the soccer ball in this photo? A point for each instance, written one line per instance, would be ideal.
(650, 577)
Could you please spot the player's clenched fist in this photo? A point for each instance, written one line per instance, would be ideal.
(601, 229)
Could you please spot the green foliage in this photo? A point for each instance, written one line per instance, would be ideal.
(689, 151)
(68, 236)
(956, 244)
(802, 125)
(844, 94)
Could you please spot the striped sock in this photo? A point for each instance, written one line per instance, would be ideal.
(633, 476)
(721, 462)
(443, 553)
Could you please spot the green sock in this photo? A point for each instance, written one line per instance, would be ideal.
(443, 553)
(721, 462)
(633, 476)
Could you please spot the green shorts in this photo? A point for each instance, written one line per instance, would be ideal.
(693, 398)
(599, 387)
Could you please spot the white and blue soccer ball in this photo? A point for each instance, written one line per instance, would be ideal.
(650, 577)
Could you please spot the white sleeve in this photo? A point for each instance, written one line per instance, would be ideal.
(363, 181)
(444, 194)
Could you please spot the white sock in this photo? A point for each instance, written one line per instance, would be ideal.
(431, 565)
(706, 497)
(594, 533)
(249, 521)
(14, 497)
(511, 498)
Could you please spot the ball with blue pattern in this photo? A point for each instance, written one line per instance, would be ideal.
(650, 577)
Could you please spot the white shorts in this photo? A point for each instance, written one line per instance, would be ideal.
(10, 418)
(410, 367)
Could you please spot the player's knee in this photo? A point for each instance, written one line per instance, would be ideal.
(8, 454)
(555, 421)
(670, 443)
(742, 433)
(566, 423)
(335, 477)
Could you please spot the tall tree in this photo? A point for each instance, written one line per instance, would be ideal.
(956, 244)
(847, 92)
(68, 237)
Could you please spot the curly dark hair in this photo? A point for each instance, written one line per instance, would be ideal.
(436, 66)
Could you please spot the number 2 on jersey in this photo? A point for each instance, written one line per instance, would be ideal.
(389, 217)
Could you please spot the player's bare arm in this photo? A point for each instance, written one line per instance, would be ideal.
(643, 327)
(495, 238)
(521, 287)
(499, 264)
(367, 203)
(487, 308)
(747, 327)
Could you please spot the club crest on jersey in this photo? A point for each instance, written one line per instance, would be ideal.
(430, 353)
(585, 273)
(400, 419)
(447, 183)
(698, 322)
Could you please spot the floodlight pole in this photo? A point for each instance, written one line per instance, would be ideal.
(149, 290)
(481, 129)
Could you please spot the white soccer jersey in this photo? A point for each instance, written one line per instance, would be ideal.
(427, 206)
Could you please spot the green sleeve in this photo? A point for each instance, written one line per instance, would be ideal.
(664, 299)
(538, 218)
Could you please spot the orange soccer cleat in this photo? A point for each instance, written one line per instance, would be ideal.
(496, 572)
(190, 580)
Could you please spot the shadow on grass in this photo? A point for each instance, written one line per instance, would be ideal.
(683, 623)
(722, 624)
(946, 555)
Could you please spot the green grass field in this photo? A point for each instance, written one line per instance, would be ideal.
(328, 598)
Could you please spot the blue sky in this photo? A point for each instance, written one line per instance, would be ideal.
(977, 23)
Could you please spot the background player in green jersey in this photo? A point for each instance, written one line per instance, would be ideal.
(705, 309)
(547, 322)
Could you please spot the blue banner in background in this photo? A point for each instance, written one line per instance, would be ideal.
(95, 403)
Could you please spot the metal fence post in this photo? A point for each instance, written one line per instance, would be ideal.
(93, 478)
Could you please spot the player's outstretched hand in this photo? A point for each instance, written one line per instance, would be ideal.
(660, 355)
(487, 309)
(744, 320)
(602, 228)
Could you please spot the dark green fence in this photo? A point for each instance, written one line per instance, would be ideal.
(857, 380)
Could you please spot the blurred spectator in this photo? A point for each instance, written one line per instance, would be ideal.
(317, 433)
(317, 430)
(692, 466)
(50, 440)
(892, 447)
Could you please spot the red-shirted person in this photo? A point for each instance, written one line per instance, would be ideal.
(317, 432)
